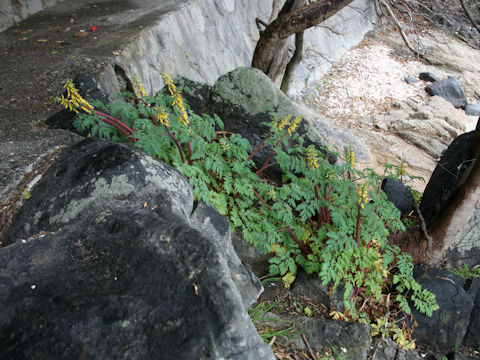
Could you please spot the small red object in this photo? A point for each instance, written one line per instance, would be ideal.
(93, 28)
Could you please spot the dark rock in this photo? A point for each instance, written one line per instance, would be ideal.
(211, 222)
(449, 89)
(449, 323)
(194, 93)
(348, 339)
(398, 194)
(250, 255)
(244, 98)
(428, 76)
(117, 263)
(455, 355)
(410, 80)
(89, 89)
(63, 120)
(473, 109)
(352, 340)
(472, 337)
(384, 349)
(311, 287)
(446, 175)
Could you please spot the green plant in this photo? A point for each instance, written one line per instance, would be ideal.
(385, 327)
(334, 353)
(270, 327)
(466, 272)
(332, 220)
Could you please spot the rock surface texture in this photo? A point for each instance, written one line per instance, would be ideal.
(449, 89)
(465, 247)
(243, 99)
(111, 259)
(13, 11)
(199, 39)
(449, 324)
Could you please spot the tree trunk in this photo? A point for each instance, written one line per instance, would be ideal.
(459, 206)
(280, 61)
(293, 63)
(289, 24)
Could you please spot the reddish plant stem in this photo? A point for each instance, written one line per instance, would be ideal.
(265, 164)
(260, 198)
(190, 154)
(182, 156)
(328, 197)
(359, 222)
(257, 149)
(315, 226)
(123, 131)
(320, 211)
(115, 121)
(303, 247)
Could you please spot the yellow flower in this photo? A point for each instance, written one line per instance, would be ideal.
(138, 87)
(177, 99)
(330, 175)
(282, 123)
(224, 144)
(272, 194)
(351, 156)
(161, 115)
(362, 192)
(295, 124)
(172, 88)
(401, 168)
(312, 159)
(74, 101)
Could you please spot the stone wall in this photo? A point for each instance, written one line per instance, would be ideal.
(207, 38)
(13, 11)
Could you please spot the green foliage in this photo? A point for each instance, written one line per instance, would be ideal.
(466, 272)
(270, 327)
(335, 353)
(332, 220)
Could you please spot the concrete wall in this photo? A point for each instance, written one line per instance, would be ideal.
(208, 38)
(201, 41)
(13, 11)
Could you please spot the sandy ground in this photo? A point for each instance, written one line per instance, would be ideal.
(370, 78)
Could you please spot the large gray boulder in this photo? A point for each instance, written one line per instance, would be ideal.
(449, 324)
(111, 258)
(449, 89)
(245, 98)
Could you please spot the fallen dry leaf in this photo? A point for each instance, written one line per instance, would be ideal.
(80, 33)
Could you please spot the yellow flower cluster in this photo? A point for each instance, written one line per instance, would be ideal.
(224, 144)
(138, 87)
(312, 159)
(177, 98)
(351, 156)
(401, 168)
(295, 124)
(362, 192)
(161, 115)
(280, 125)
(73, 101)
(330, 175)
(272, 194)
